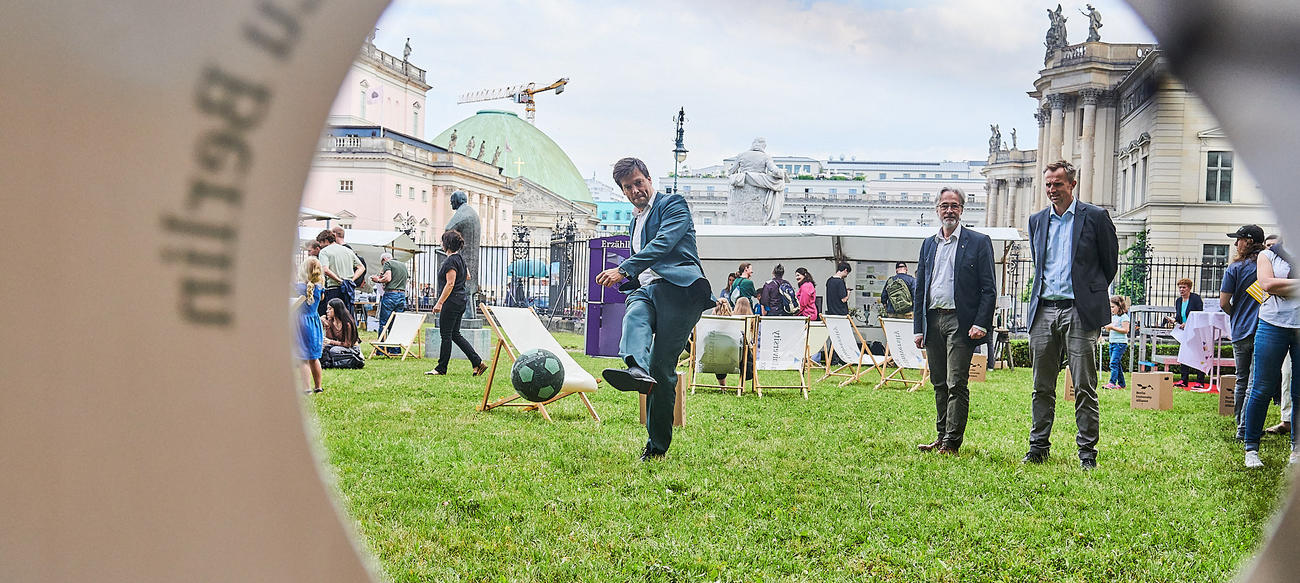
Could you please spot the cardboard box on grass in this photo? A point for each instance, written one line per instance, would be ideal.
(1227, 388)
(979, 367)
(1069, 385)
(1152, 390)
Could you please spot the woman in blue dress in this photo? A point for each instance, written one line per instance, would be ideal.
(311, 336)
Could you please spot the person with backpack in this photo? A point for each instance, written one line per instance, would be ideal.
(743, 286)
(898, 293)
(778, 297)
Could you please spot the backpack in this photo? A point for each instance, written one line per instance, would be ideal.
(899, 295)
(788, 298)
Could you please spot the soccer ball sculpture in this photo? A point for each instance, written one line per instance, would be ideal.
(537, 375)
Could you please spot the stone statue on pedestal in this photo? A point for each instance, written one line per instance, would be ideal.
(451, 142)
(481, 147)
(1094, 23)
(469, 149)
(496, 155)
(466, 222)
(1056, 38)
(995, 141)
(757, 187)
(1013, 139)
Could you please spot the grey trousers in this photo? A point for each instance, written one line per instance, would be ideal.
(948, 352)
(1056, 331)
(1243, 352)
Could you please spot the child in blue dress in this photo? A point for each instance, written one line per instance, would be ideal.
(311, 336)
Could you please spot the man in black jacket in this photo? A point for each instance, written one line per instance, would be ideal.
(952, 314)
(1076, 255)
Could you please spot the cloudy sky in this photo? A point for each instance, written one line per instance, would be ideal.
(875, 79)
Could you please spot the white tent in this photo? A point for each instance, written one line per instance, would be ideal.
(311, 214)
(369, 244)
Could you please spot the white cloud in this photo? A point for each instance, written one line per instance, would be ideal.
(884, 79)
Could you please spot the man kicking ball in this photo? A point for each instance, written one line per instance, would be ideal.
(667, 292)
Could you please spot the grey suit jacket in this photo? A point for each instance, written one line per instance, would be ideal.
(1096, 259)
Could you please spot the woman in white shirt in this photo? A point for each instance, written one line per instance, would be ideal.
(1276, 337)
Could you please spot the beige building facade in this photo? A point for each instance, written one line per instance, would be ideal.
(1146, 149)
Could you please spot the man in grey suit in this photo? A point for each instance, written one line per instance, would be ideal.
(1076, 255)
(667, 293)
(953, 313)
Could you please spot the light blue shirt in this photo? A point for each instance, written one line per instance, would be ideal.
(1057, 282)
(943, 271)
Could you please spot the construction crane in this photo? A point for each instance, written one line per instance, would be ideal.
(519, 93)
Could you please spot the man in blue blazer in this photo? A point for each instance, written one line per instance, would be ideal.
(1076, 255)
(667, 293)
(952, 314)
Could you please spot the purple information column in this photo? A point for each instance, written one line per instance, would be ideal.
(605, 305)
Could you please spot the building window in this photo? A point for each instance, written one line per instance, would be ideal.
(708, 221)
(1144, 178)
(850, 222)
(618, 215)
(1214, 259)
(921, 175)
(902, 222)
(853, 191)
(1218, 177)
(835, 191)
(686, 188)
(780, 222)
(807, 168)
(902, 196)
(830, 222)
(708, 188)
(410, 192)
(345, 225)
(880, 222)
(422, 237)
(345, 186)
(604, 215)
(424, 195)
(398, 191)
(906, 175)
(954, 176)
(882, 175)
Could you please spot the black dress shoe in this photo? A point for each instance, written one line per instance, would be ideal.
(1034, 457)
(1088, 464)
(633, 378)
(930, 446)
(648, 455)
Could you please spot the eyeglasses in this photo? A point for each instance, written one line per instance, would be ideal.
(950, 206)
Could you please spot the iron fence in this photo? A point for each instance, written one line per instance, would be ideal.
(552, 278)
(1149, 281)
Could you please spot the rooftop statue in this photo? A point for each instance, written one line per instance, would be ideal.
(451, 143)
(995, 141)
(757, 187)
(1056, 36)
(1094, 23)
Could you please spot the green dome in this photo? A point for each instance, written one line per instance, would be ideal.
(542, 159)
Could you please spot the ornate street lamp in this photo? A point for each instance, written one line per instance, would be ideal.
(679, 153)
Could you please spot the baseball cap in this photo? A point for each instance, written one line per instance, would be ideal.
(1252, 232)
(903, 264)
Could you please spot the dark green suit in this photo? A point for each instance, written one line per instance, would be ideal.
(660, 316)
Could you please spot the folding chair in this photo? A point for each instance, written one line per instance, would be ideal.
(782, 345)
(519, 330)
(901, 350)
(719, 346)
(402, 330)
(847, 342)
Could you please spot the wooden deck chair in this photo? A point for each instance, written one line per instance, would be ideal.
(718, 346)
(903, 355)
(402, 331)
(847, 342)
(782, 345)
(517, 331)
(817, 339)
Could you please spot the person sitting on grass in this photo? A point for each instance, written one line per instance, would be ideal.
(1119, 328)
(311, 288)
(341, 338)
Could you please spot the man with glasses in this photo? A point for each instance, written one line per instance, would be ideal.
(1076, 255)
(952, 314)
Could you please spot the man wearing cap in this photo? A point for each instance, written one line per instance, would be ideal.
(900, 274)
(1243, 309)
(393, 278)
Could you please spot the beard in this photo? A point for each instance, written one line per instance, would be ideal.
(950, 224)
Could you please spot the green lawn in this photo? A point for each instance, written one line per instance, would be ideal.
(782, 488)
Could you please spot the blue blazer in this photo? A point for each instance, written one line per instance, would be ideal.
(667, 245)
(973, 285)
(1096, 260)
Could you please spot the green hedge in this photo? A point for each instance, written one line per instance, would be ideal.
(1020, 350)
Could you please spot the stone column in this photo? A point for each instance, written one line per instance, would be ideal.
(1042, 115)
(1056, 128)
(990, 209)
(1089, 97)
